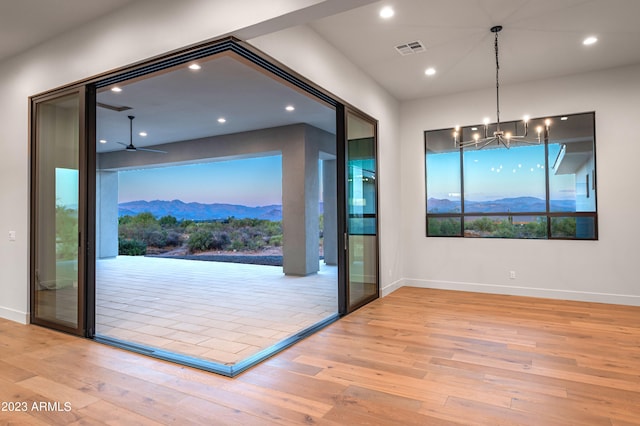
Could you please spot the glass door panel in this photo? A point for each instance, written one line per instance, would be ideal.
(56, 267)
(362, 248)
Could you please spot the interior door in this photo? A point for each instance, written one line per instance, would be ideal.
(58, 218)
(362, 210)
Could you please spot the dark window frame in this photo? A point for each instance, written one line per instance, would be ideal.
(548, 214)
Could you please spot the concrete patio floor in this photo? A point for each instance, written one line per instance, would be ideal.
(215, 311)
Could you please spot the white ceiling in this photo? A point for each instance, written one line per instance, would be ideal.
(185, 104)
(541, 39)
(27, 23)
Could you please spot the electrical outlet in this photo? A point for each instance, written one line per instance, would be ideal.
(12, 235)
(512, 275)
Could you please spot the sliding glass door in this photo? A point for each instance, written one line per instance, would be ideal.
(57, 221)
(362, 221)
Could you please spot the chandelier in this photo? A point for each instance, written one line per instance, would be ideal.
(500, 136)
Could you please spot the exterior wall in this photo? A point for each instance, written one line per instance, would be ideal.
(603, 270)
(148, 28)
(106, 214)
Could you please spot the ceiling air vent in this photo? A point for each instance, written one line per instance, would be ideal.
(411, 48)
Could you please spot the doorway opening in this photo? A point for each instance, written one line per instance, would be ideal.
(154, 269)
(208, 229)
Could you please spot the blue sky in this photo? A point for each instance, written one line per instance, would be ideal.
(250, 182)
(492, 174)
(67, 187)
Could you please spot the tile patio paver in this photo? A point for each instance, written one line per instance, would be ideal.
(221, 312)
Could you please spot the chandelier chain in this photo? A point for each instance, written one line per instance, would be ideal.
(497, 84)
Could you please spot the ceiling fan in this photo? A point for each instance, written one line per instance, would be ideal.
(130, 147)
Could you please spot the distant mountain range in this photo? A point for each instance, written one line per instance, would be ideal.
(513, 205)
(198, 211)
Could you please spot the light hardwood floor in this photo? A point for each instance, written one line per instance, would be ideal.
(416, 357)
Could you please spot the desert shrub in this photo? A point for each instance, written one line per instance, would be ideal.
(125, 220)
(273, 228)
(276, 240)
(444, 227)
(563, 227)
(144, 218)
(156, 238)
(186, 223)
(504, 229)
(168, 221)
(483, 224)
(536, 229)
(174, 238)
(220, 240)
(237, 245)
(201, 240)
(66, 233)
(130, 247)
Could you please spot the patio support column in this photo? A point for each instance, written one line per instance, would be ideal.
(329, 198)
(300, 210)
(107, 214)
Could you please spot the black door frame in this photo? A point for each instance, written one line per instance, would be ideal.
(86, 137)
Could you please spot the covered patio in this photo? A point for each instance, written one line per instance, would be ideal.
(216, 311)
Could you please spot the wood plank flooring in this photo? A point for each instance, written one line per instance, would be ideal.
(415, 357)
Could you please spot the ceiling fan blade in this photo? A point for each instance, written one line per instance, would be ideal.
(117, 108)
(128, 147)
(151, 150)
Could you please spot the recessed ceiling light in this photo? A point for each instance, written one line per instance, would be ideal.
(564, 118)
(116, 89)
(103, 141)
(194, 67)
(143, 133)
(290, 108)
(222, 120)
(589, 41)
(430, 71)
(387, 12)
(473, 129)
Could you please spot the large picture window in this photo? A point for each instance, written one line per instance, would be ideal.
(544, 190)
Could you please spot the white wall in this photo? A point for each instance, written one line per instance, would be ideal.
(147, 28)
(604, 270)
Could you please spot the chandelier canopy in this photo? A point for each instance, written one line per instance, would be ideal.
(500, 136)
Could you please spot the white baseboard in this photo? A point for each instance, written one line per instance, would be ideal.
(390, 288)
(580, 296)
(13, 315)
